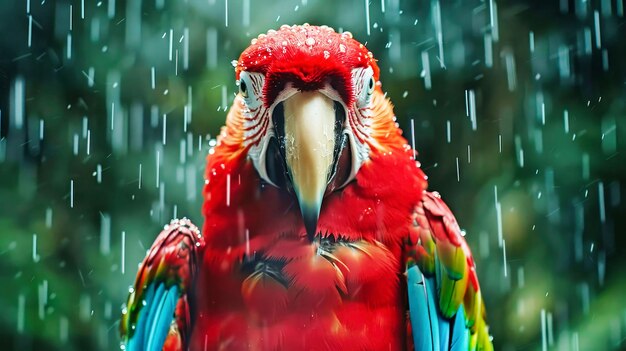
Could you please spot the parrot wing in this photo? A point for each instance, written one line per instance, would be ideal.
(157, 314)
(446, 309)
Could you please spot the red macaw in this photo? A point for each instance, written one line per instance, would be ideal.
(319, 233)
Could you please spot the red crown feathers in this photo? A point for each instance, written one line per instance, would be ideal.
(308, 57)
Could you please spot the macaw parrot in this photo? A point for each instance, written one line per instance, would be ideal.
(319, 233)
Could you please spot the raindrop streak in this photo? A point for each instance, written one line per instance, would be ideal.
(48, 217)
(88, 141)
(504, 257)
(228, 190)
(85, 126)
(189, 104)
(413, 138)
(472, 107)
(426, 70)
(519, 151)
(493, 19)
(367, 16)
(458, 176)
(246, 13)
(566, 121)
(164, 128)
(71, 18)
(30, 30)
(226, 13)
(41, 125)
(139, 176)
(511, 76)
(69, 46)
(436, 14)
(186, 48)
(71, 193)
(75, 146)
(42, 291)
(224, 98)
(153, 78)
(498, 217)
(176, 64)
(550, 330)
(488, 50)
(601, 267)
(21, 313)
(111, 9)
(171, 53)
(17, 108)
(35, 254)
(105, 233)
(601, 202)
(544, 336)
(99, 173)
(158, 169)
(448, 131)
(112, 115)
(596, 22)
(123, 258)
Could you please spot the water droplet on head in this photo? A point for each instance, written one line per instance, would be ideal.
(309, 41)
(326, 54)
(342, 48)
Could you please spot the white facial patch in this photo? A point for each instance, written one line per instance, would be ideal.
(259, 128)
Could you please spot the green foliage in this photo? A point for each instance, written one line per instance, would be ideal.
(558, 188)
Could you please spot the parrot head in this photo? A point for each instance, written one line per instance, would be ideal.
(307, 107)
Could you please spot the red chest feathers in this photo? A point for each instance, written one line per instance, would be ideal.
(264, 286)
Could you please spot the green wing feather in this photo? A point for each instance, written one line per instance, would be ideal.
(439, 250)
(170, 267)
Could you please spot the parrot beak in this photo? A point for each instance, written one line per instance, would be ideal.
(310, 138)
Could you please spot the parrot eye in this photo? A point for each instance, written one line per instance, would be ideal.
(243, 89)
(371, 85)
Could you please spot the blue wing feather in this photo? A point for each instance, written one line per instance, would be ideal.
(431, 331)
(460, 334)
(423, 327)
(154, 320)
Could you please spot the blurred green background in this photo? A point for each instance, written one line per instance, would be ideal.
(108, 108)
